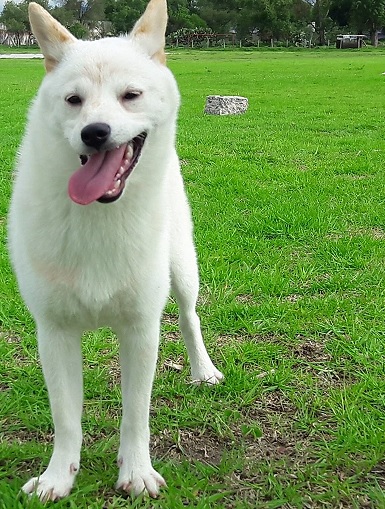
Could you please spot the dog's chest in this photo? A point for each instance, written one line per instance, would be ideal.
(99, 256)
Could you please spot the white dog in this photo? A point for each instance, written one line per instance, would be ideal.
(100, 229)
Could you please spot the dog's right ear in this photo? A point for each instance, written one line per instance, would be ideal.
(50, 34)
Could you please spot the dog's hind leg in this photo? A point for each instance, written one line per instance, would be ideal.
(185, 287)
(61, 359)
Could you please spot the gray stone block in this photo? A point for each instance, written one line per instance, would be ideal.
(226, 105)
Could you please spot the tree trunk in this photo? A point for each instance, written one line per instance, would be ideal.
(322, 39)
(374, 37)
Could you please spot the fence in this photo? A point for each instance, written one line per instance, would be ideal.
(16, 38)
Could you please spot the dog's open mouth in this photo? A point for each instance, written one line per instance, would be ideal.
(103, 175)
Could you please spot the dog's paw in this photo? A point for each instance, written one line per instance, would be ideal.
(141, 481)
(209, 375)
(48, 488)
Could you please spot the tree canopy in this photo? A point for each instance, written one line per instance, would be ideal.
(264, 19)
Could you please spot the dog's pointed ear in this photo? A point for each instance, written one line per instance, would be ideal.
(50, 34)
(150, 29)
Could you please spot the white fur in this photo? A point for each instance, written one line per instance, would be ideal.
(82, 267)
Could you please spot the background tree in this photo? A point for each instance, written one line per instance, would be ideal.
(183, 14)
(369, 15)
(15, 17)
(341, 12)
(273, 19)
(219, 15)
(293, 20)
(124, 13)
(322, 20)
(79, 16)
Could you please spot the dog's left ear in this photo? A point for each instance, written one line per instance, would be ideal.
(150, 29)
(50, 34)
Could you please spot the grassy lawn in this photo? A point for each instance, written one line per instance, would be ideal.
(19, 49)
(289, 209)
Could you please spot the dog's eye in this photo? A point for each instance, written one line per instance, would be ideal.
(131, 94)
(73, 99)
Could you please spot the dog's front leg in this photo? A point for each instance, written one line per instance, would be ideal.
(60, 354)
(138, 355)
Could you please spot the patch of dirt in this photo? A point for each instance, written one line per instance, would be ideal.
(171, 335)
(276, 417)
(274, 414)
(375, 233)
(293, 298)
(245, 299)
(282, 450)
(226, 339)
(174, 364)
(311, 351)
(351, 176)
(10, 338)
(379, 472)
(312, 357)
(16, 342)
(191, 445)
(170, 319)
(113, 368)
(23, 436)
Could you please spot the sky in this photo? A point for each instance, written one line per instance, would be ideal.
(2, 2)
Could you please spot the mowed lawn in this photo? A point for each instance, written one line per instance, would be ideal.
(289, 209)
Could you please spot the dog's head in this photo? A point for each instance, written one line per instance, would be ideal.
(105, 97)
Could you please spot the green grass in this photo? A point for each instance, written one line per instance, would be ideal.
(289, 209)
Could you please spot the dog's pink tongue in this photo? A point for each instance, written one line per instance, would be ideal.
(96, 177)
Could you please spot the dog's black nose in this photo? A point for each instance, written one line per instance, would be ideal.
(94, 135)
